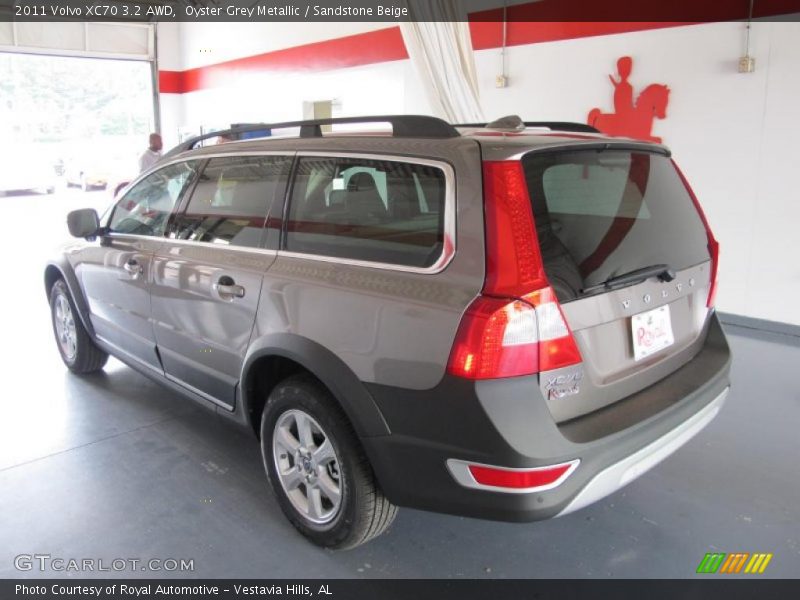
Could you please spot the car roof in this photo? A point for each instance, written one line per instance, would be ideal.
(496, 144)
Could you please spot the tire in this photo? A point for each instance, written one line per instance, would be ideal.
(362, 512)
(78, 351)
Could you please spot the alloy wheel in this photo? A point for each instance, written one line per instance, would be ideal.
(307, 466)
(65, 327)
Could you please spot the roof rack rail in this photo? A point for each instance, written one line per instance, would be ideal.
(563, 126)
(403, 126)
(555, 125)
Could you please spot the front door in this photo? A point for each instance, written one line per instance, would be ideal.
(207, 276)
(116, 271)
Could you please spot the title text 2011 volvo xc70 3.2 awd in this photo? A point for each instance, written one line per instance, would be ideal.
(507, 321)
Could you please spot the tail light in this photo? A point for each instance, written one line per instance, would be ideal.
(713, 249)
(507, 338)
(496, 338)
(713, 245)
(514, 263)
(515, 327)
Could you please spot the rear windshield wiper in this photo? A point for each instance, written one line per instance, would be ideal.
(663, 272)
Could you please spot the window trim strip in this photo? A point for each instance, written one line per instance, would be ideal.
(166, 240)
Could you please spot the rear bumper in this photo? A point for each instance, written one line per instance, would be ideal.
(507, 423)
(621, 473)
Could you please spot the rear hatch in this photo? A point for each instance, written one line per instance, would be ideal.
(627, 253)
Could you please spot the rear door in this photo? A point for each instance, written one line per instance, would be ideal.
(602, 214)
(207, 276)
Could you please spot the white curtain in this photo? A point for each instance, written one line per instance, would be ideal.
(441, 52)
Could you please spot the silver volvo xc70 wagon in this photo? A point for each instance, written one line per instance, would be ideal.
(507, 321)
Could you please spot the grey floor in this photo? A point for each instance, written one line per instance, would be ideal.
(114, 466)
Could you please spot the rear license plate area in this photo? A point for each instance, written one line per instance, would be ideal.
(652, 332)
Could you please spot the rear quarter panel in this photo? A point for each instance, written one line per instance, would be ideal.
(388, 326)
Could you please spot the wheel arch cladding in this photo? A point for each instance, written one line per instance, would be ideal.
(61, 269)
(274, 357)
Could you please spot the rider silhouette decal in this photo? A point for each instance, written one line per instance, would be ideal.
(631, 119)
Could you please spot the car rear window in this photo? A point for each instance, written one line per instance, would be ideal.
(605, 213)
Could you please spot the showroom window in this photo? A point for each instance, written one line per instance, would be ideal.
(372, 210)
(146, 208)
(230, 202)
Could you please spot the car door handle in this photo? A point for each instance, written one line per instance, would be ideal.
(133, 267)
(226, 287)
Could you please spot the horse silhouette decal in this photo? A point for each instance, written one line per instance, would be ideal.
(631, 119)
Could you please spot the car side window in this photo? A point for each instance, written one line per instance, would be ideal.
(146, 208)
(382, 211)
(230, 202)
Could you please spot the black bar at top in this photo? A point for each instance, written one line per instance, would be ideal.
(395, 11)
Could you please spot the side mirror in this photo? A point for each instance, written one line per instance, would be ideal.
(83, 223)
